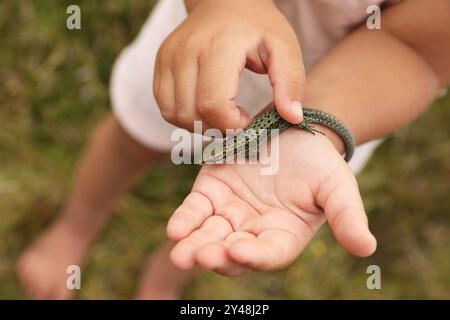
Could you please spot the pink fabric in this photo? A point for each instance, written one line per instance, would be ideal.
(321, 24)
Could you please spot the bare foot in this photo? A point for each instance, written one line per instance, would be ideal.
(42, 268)
(161, 279)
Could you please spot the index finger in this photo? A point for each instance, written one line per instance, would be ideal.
(217, 87)
(281, 236)
(190, 215)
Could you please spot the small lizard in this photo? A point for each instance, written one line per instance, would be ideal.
(258, 132)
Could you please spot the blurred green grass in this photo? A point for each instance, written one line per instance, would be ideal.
(54, 91)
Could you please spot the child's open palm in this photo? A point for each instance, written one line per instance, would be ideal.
(236, 219)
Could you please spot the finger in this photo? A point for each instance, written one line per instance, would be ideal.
(185, 78)
(287, 76)
(190, 215)
(281, 238)
(340, 199)
(214, 256)
(217, 87)
(238, 213)
(232, 197)
(209, 194)
(163, 87)
(272, 249)
(214, 229)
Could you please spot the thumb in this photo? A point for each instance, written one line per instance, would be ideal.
(340, 199)
(287, 76)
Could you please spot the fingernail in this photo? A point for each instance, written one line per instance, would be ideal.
(297, 109)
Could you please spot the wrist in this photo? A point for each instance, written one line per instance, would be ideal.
(297, 141)
(332, 106)
(330, 134)
(334, 138)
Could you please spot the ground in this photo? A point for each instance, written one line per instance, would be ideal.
(55, 89)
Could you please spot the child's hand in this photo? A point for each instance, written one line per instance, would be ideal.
(198, 66)
(236, 219)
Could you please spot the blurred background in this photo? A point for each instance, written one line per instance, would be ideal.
(55, 89)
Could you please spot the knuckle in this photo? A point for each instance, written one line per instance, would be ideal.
(168, 115)
(206, 103)
(297, 82)
(166, 47)
(186, 52)
(187, 44)
(164, 58)
(155, 87)
(160, 98)
(185, 119)
(172, 45)
(217, 42)
(157, 95)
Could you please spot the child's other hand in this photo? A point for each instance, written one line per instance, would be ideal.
(235, 219)
(198, 66)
